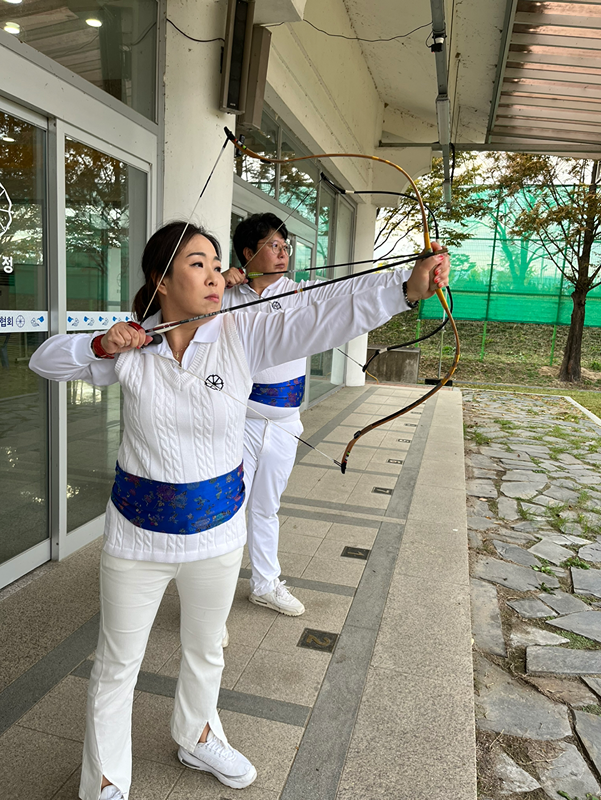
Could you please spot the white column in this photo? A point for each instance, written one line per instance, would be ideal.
(193, 123)
(365, 232)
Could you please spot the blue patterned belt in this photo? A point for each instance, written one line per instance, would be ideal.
(182, 508)
(287, 395)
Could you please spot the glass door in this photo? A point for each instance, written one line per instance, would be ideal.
(105, 233)
(23, 327)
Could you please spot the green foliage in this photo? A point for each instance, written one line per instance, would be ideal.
(546, 568)
(404, 223)
(575, 561)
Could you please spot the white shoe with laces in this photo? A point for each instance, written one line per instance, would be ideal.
(226, 764)
(280, 599)
(111, 793)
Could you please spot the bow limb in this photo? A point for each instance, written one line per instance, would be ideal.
(416, 403)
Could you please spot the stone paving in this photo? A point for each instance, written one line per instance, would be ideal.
(533, 469)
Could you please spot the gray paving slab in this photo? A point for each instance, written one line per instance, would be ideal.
(549, 660)
(594, 683)
(526, 636)
(507, 706)
(521, 489)
(588, 728)
(550, 551)
(486, 618)
(559, 493)
(564, 690)
(511, 536)
(512, 552)
(515, 577)
(531, 608)
(591, 552)
(513, 778)
(526, 475)
(481, 488)
(586, 581)
(482, 462)
(567, 773)
(508, 509)
(585, 623)
(563, 602)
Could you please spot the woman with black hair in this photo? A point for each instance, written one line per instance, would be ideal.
(175, 508)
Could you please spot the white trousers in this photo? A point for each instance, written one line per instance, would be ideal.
(130, 595)
(269, 454)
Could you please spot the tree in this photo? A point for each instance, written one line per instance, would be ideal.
(402, 225)
(521, 254)
(559, 203)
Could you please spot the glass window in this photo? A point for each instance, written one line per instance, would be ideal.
(113, 45)
(302, 256)
(298, 182)
(265, 143)
(334, 243)
(105, 233)
(23, 322)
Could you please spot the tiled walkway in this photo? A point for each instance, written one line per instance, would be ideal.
(388, 714)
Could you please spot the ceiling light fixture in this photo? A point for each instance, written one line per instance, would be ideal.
(12, 27)
(93, 22)
(14, 2)
(7, 139)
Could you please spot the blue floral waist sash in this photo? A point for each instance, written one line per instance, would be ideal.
(182, 508)
(288, 394)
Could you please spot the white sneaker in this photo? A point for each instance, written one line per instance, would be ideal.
(111, 793)
(280, 600)
(226, 637)
(226, 764)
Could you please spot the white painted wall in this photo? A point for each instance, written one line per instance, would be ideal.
(193, 123)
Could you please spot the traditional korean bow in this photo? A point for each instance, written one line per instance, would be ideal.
(230, 137)
(426, 252)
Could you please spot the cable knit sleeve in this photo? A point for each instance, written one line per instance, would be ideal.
(271, 339)
(69, 357)
(358, 283)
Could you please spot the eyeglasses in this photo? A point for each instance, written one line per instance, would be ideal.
(280, 247)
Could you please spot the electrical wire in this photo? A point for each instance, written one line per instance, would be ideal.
(361, 39)
(192, 39)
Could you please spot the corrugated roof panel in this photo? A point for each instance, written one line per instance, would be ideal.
(551, 86)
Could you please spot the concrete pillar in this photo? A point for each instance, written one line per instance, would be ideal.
(193, 123)
(365, 232)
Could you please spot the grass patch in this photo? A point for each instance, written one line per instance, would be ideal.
(506, 424)
(591, 710)
(575, 561)
(546, 568)
(583, 497)
(526, 515)
(578, 642)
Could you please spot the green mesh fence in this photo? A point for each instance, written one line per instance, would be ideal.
(497, 277)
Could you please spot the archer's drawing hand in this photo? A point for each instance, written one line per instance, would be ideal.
(122, 337)
(234, 277)
(429, 274)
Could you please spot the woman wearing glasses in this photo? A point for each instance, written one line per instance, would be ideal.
(260, 242)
